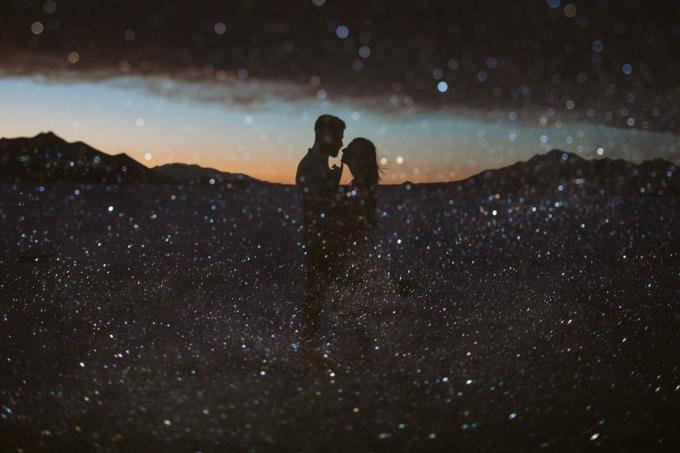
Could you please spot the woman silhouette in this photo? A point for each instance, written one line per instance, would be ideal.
(357, 216)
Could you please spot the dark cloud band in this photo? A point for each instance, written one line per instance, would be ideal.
(599, 61)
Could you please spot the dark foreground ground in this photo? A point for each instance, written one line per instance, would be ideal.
(155, 318)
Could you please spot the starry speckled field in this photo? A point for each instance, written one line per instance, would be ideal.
(161, 318)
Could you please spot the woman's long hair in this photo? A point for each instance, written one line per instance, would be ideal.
(366, 171)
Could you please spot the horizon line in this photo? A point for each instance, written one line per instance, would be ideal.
(236, 173)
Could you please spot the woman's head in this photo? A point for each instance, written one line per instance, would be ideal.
(362, 161)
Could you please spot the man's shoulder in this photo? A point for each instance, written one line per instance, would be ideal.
(312, 158)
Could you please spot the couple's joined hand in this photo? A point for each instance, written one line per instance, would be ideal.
(337, 171)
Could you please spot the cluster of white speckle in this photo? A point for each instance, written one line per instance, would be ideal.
(172, 311)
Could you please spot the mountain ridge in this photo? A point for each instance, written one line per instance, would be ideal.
(48, 157)
(560, 171)
(197, 174)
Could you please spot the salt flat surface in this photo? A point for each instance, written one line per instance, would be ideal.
(160, 318)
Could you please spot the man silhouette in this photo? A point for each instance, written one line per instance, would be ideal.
(317, 187)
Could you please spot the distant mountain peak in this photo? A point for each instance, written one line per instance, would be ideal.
(48, 157)
(556, 155)
(198, 174)
(49, 135)
(559, 171)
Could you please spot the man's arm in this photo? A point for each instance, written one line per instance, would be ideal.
(316, 180)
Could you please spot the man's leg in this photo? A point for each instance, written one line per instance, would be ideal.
(314, 297)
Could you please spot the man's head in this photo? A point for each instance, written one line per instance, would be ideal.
(328, 134)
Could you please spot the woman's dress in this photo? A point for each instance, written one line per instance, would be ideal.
(357, 223)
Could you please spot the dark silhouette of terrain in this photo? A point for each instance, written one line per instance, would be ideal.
(195, 174)
(48, 157)
(560, 171)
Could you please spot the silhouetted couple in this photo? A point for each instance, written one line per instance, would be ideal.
(337, 221)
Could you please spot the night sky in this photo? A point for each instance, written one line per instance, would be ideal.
(444, 88)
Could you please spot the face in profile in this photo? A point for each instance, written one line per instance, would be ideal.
(348, 156)
(332, 141)
(352, 155)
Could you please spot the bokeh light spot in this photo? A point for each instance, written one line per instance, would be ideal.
(37, 28)
(570, 10)
(342, 32)
(220, 28)
(73, 57)
(49, 7)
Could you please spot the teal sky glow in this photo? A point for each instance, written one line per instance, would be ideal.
(265, 135)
